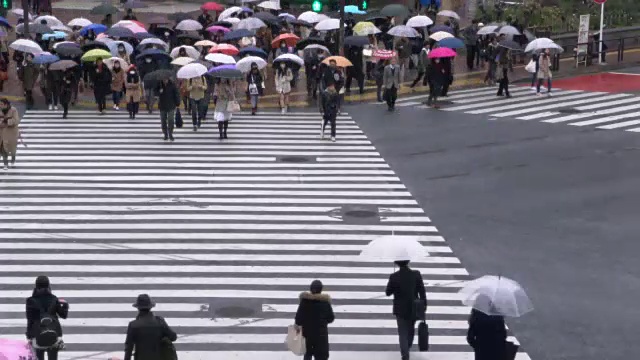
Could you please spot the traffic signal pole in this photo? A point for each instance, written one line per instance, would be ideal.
(341, 4)
(25, 16)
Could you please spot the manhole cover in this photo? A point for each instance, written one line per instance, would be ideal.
(361, 213)
(295, 159)
(569, 111)
(234, 312)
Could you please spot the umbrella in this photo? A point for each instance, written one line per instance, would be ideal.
(289, 58)
(220, 59)
(229, 12)
(4, 22)
(267, 17)
(143, 35)
(440, 35)
(251, 23)
(128, 24)
(310, 40)
(244, 64)
(96, 28)
(341, 61)
(179, 16)
(353, 9)
(104, 9)
(317, 47)
(253, 51)
(158, 20)
(237, 34)
(211, 6)
(228, 22)
(182, 61)
(508, 30)
(62, 65)
(496, 295)
(112, 60)
(34, 28)
(403, 31)
(419, 21)
(364, 28)
(189, 25)
(49, 20)
(451, 43)
(20, 14)
(328, 24)
(541, 44)
(155, 41)
(190, 50)
(26, 46)
(357, 41)
(205, 43)
(152, 78)
(68, 51)
(488, 29)
(394, 248)
(270, 5)
(384, 54)
(113, 47)
(119, 32)
(225, 49)
(376, 19)
(312, 17)
(58, 35)
(193, 37)
(286, 16)
(191, 71)
(134, 4)
(300, 23)
(394, 10)
(65, 43)
(226, 72)
(449, 13)
(511, 45)
(218, 28)
(81, 22)
(45, 58)
(288, 38)
(91, 45)
(441, 52)
(95, 54)
(438, 28)
(154, 54)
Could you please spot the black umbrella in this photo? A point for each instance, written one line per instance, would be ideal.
(393, 10)
(309, 41)
(179, 16)
(104, 9)
(357, 41)
(299, 22)
(120, 32)
(444, 28)
(511, 45)
(376, 19)
(253, 51)
(143, 35)
(63, 65)
(221, 72)
(90, 45)
(161, 30)
(267, 17)
(68, 51)
(237, 34)
(154, 77)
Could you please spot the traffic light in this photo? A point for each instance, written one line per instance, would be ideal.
(315, 6)
(7, 4)
(363, 5)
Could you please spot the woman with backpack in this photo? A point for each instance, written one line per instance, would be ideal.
(43, 325)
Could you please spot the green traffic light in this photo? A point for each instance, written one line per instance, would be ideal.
(316, 6)
(5, 4)
(365, 5)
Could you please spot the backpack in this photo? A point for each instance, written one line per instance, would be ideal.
(47, 335)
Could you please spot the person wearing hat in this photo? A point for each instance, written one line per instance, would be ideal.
(312, 318)
(407, 287)
(44, 309)
(146, 333)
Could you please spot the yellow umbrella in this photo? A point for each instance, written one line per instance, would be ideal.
(364, 28)
(341, 61)
(96, 54)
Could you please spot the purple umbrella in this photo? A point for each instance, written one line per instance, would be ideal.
(226, 72)
(216, 28)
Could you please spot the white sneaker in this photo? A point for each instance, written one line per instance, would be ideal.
(333, 138)
(549, 94)
(533, 88)
(117, 108)
(55, 108)
(5, 168)
(282, 111)
(321, 134)
(50, 107)
(12, 165)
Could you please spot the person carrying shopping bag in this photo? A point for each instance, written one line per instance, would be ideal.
(254, 87)
(284, 76)
(544, 71)
(197, 88)
(225, 95)
(313, 316)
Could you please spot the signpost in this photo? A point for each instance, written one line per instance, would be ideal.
(601, 37)
(583, 35)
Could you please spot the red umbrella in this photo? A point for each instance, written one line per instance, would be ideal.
(289, 38)
(384, 54)
(442, 52)
(211, 6)
(138, 23)
(225, 49)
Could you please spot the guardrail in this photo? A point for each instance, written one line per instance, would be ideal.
(620, 46)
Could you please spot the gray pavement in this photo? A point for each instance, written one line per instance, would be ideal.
(554, 207)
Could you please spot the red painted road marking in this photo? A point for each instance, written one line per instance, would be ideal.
(607, 82)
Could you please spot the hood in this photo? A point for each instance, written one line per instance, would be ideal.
(317, 297)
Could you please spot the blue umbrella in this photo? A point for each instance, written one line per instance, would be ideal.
(97, 29)
(353, 9)
(58, 35)
(451, 43)
(237, 34)
(119, 32)
(4, 22)
(45, 59)
(444, 28)
(253, 51)
(247, 10)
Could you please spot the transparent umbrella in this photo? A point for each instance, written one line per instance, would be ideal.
(496, 295)
(394, 248)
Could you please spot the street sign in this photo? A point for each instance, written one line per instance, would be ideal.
(583, 34)
(599, 1)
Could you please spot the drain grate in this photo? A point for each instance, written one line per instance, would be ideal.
(234, 312)
(569, 111)
(296, 159)
(357, 214)
(361, 213)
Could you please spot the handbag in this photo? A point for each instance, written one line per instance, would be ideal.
(167, 350)
(510, 350)
(531, 67)
(253, 89)
(233, 106)
(423, 336)
(179, 122)
(295, 341)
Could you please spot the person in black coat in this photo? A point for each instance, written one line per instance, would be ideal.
(168, 102)
(406, 286)
(66, 91)
(101, 85)
(487, 336)
(147, 66)
(43, 301)
(313, 315)
(146, 333)
(254, 87)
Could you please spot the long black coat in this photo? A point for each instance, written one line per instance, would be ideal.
(145, 334)
(66, 86)
(101, 81)
(43, 300)
(487, 335)
(406, 286)
(314, 314)
(168, 96)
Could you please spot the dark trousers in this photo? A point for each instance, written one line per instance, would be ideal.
(391, 95)
(317, 347)
(133, 108)
(471, 54)
(379, 92)
(167, 122)
(101, 100)
(5, 157)
(222, 128)
(29, 98)
(421, 75)
(65, 109)
(504, 84)
(330, 118)
(406, 332)
(434, 91)
(444, 90)
(51, 354)
(358, 75)
(197, 111)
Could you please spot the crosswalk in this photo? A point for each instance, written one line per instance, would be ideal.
(601, 110)
(223, 234)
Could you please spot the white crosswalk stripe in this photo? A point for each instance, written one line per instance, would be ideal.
(223, 234)
(573, 107)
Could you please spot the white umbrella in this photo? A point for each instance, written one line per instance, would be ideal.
(244, 64)
(220, 58)
(26, 46)
(155, 41)
(205, 43)
(191, 71)
(270, 5)
(488, 29)
(191, 51)
(508, 30)
(20, 13)
(394, 248)
(233, 20)
(55, 45)
(496, 295)
(449, 13)
(541, 44)
(287, 16)
(403, 31)
(189, 25)
(113, 47)
(182, 61)
(82, 22)
(229, 12)
(368, 30)
(290, 57)
(250, 23)
(328, 24)
(437, 36)
(125, 24)
(110, 61)
(49, 20)
(419, 21)
(312, 17)
(317, 47)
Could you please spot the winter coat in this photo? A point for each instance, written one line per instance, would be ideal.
(134, 90)
(224, 93)
(66, 86)
(29, 75)
(117, 80)
(314, 314)
(9, 132)
(43, 300)
(283, 82)
(196, 87)
(168, 96)
(330, 102)
(403, 47)
(145, 334)
(487, 336)
(101, 81)
(146, 68)
(423, 60)
(406, 286)
(544, 67)
(255, 79)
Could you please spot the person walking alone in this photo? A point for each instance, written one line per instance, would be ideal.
(283, 79)
(168, 102)
(487, 334)
(544, 71)
(9, 132)
(197, 88)
(117, 84)
(313, 316)
(133, 85)
(406, 286)
(101, 85)
(66, 91)
(391, 81)
(330, 104)
(148, 334)
(224, 94)
(44, 311)
(254, 87)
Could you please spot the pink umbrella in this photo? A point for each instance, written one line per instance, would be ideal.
(137, 29)
(442, 52)
(225, 49)
(102, 36)
(216, 28)
(15, 350)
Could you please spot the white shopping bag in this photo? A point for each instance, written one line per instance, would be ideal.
(531, 67)
(295, 341)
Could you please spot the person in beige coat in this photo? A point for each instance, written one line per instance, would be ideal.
(283, 79)
(544, 71)
(117, 83)
(9, 132)
(135, 92)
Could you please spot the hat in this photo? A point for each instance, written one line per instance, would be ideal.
(143, 302)
(42, 282)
